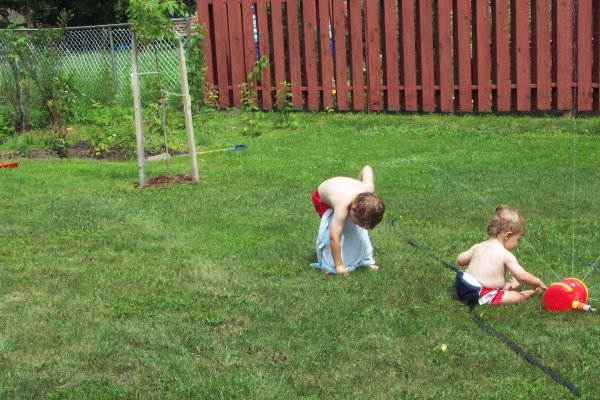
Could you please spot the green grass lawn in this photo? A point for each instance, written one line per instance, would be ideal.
(203, 291)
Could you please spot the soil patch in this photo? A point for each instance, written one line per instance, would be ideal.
(79, 149)
(164, 180)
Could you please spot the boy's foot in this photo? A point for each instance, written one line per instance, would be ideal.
(374, 267)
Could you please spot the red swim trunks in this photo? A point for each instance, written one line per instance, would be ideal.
(320, 207)
(496, 299)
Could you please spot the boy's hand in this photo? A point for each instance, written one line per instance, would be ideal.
(341, 269)
(512, 284)
(540, 288)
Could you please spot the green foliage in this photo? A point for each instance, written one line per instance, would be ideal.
(15, 79)
(62, 103)
(248, 89)
(153, 118)
(29, 87)
(286, 118)
(250, 110)
(196, 65)
(6, 127)
(102, 140)
(111, 127)
(107, 139)
(100, 86)
(44, 13)
(25, 144)
(59, 145)
(150, 18)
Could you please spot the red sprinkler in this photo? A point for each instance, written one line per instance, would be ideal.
(570, 294)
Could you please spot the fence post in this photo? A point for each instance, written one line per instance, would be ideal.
(187, 110)
(113, 60)
(137, 107)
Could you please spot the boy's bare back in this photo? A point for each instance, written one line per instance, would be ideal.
(340, 192)
(488, 262)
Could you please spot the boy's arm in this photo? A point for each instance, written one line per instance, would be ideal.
(464, 258)
(335, 233)
(520, 274)
(367, 176)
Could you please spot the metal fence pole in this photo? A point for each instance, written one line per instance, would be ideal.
(114, 60)
(137, 106)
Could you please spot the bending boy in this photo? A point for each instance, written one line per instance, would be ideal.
(354, 198)
(484, 279)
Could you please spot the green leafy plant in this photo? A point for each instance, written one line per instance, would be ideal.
(28, 85)
(61, 105)
(15, 78)
(25, 143)
(111, 128)
(102, 140)
(250, 109)
(151, 18)
(59, 145)
(196, 64)
(285, 106)
(6, 127)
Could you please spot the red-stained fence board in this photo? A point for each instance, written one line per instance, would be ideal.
(390, 55)
(373, 55)
(220, 20)
(481, 54)
(521, 54)
(236, 45)
(309, 19)
(203, 20)
(584, 56)
(294, 54)
(462, 65)
(339, 49)
(501, 56)
(249, 45)
(409, 59)
(564, 54)
(596, 56)
(541, 56)
(325, 57)
(356, 54)
(263, 50)
(444, 55)
(278, 51)
(425, 15)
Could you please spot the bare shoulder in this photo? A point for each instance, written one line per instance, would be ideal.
(477, 247)
(341, 191)
(509, 258)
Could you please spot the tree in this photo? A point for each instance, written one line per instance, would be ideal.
(85, 12)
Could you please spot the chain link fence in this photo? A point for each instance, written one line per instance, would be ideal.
(100, 53)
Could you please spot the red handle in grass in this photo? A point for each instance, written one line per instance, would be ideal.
(8, 165)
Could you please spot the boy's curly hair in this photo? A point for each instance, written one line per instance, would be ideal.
(369, 208)
(505, 219)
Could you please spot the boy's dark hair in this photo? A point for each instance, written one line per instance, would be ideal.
(369, 208)
(505, 219)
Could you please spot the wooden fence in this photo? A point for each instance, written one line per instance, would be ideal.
(407, 55)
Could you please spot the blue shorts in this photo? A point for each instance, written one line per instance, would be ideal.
(471, 292)
(467, 288)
